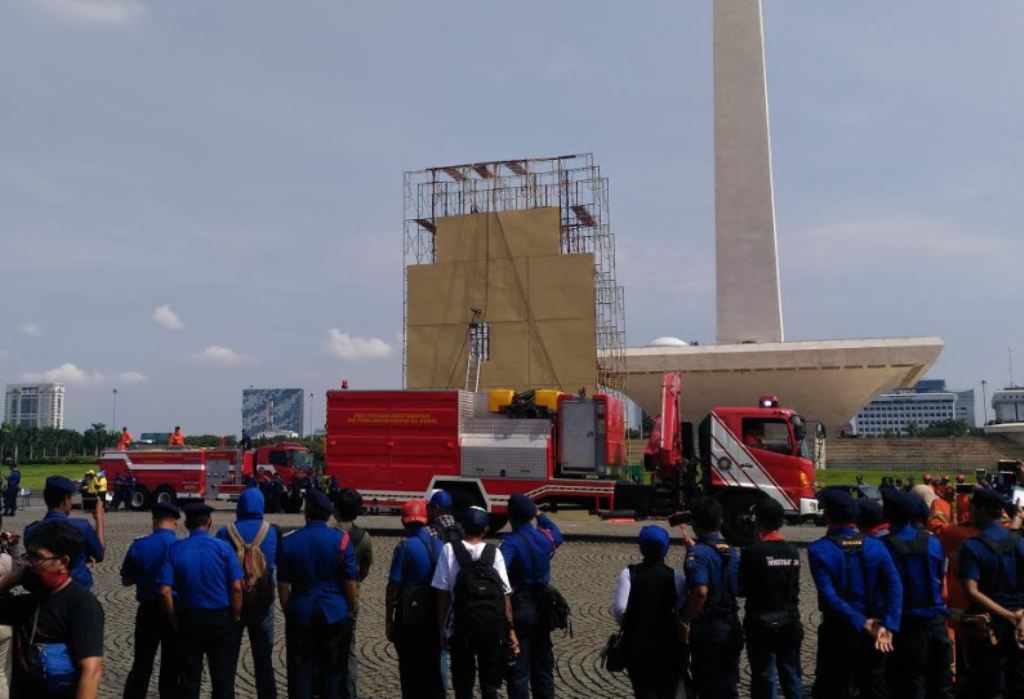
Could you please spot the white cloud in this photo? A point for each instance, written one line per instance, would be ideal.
(31, 329)
(165, 316)
(71, 374)
(94, 13)
(216, 355)
(345, 346)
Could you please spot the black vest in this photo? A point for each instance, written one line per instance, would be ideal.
(650, 623)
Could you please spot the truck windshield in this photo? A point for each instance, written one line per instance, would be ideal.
(302, 459)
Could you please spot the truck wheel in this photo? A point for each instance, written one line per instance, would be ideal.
(164, 495)
(738, 519)
(496, 523)
(140, 499)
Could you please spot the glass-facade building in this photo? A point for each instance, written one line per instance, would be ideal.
(39, 405)
(927, 403)
(268, 411)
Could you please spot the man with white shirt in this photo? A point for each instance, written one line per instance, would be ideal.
(474, 609)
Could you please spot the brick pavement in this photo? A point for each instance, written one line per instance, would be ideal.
(584, 570)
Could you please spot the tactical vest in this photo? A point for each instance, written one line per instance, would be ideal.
(907, 552)
(723, 601)
(996, 582)
(853, 552)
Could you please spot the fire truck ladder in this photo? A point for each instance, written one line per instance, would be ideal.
(478, 344)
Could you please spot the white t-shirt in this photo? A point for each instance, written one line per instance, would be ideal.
(447, 572)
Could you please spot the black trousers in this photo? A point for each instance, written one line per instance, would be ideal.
(419, 662)
(317, 657)
(847, 659)
(715, 645)
(921, 663)
(653, 680)
(11, 501)
(468, 662)
(211, 634)
(995, 671)
(152, 631)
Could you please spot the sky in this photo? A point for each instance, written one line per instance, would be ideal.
(196, 197)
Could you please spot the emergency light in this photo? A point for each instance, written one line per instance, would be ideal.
(769, 402)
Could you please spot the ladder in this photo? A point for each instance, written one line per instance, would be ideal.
(476, 342)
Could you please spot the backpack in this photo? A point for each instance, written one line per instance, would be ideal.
(724, 599)
(257, 581)
(357, 536)
(479, 598)
(418, 602)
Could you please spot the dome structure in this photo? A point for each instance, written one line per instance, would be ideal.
(667, 341)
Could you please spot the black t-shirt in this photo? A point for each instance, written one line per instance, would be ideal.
(770, 577)
(72, 616)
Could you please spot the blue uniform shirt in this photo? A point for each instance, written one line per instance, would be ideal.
(250, 519)
(979, 562)
(314, 562)
(92, 548)
(143, 562)
(921, 577)
(413, 559)
(703, 568)
(871, 569)
(201, 569)
(14, 478)
(528, 551)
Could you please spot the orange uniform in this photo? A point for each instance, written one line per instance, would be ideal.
(941, 515)
(177, 439)
(963, 507)
(125, 441)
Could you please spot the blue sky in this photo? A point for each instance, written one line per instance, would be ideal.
(240, 163)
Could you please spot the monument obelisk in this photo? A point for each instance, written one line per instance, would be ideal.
(746, 259)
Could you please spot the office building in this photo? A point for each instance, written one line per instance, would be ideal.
(273, 411)
(1008, 404)
(38, 405)
(927, 403)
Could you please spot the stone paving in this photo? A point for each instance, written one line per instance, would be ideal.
(584, 570)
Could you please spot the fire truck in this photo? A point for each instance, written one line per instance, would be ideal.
(169, 474)
(561, 448)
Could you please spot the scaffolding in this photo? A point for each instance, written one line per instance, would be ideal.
(573, 183)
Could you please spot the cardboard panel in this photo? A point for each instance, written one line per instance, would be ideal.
(445, 293)
(435, 356)
(507, 290)
(562, 286)
(509, 364)
(557, 354)
(498, 235)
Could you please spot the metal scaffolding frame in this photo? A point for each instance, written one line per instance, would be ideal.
(573, 183)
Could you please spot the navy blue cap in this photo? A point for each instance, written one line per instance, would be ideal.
(838, 504)
(441, 499)
(195, 509)
(898, 504)
(869, 514)
(521, 507)
(988, 498)
(653, 541)
(61, 483)
(769, 507)
(318, 502)
(475, 519)
(163, 510)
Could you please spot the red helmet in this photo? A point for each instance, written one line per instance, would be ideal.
(960, 478)
(927, 478)
(414, 511)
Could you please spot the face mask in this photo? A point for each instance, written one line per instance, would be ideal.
(43, 581)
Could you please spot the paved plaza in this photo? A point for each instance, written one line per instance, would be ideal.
(584, 570)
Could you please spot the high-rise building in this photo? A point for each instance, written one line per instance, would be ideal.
(927, 403)
(271, 411)
(1008, 404)
(34, 405)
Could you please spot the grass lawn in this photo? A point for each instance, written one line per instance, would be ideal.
(827, 477)
(33, 476)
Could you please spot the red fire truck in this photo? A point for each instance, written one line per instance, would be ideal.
(561, 448)
(169, 474)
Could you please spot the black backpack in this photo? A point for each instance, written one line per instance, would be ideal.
(479, 598)
(419, 607)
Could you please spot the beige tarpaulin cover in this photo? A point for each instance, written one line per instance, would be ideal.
(538, 303)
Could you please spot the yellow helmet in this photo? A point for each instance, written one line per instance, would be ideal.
(90, 472)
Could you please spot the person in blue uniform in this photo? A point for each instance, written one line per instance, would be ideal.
(318, 587)
(201, 590)
(258, 603)
(710, 619)
(861, 599)
(528, 550)
(140, 568)
(57, 496)
(991, 563)
(410, 620)
(922, 650)
(11, 491)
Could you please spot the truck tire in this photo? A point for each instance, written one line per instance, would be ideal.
(737, 517)
(497, 522)
(140, 499)
(164, 495)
